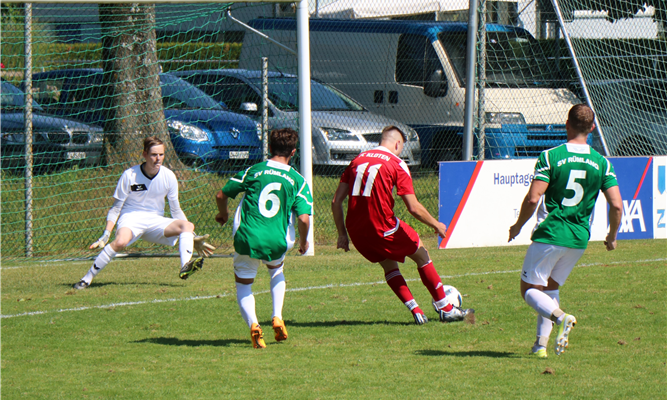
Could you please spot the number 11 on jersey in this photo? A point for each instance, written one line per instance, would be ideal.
(372, 173)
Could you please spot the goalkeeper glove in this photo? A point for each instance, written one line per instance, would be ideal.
(203, 249)
(102, 241)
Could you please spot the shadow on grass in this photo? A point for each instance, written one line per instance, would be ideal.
(100, 285)
(328, 324)
(172, 341)
(492, 354)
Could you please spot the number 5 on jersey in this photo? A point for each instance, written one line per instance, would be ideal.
(372, 173)
(575, 186)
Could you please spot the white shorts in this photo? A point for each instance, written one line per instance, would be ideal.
(246, 267)
(544, 261)
(148, 227)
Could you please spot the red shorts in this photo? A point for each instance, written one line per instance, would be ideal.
(400, 244)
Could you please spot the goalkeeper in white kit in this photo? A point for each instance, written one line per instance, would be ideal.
(139, 209)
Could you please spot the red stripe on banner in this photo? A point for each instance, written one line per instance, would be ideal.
(641, 181)
(464, 199)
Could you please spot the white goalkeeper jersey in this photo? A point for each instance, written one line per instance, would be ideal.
(138, 193)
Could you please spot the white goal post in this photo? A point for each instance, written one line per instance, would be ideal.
(303, 56)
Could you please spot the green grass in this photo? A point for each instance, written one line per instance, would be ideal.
(352, 339)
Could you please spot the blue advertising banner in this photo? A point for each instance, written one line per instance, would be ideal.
(635, 182)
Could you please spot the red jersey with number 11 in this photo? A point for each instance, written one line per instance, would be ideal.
(371, 177)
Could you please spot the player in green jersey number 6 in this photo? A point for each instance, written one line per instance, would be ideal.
(570, 177)
(264, 226)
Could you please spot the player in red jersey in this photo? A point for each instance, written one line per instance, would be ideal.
(378, 234)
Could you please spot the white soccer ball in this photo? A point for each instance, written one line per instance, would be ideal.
(452, 295)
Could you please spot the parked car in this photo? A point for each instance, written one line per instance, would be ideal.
(342, 128)
(204, 132)
(57, 142)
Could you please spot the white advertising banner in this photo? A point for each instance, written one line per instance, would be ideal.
(480, 200)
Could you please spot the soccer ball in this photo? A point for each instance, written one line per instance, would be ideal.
(452, 295)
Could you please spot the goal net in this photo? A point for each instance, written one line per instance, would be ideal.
(106, 76)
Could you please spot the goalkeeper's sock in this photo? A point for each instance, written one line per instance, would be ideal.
(398, 284)
(106, 255)
(246, 302)
(186, 246)
(277, 290)
(431, 280)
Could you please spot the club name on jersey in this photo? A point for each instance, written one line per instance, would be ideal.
(377, 155)
(577, 159)
(276, 173)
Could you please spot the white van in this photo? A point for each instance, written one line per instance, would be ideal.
(414, 72)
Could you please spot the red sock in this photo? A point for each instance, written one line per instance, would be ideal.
(397, 283)
(431, 280)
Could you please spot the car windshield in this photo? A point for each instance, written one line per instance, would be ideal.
(283, 93)
(513, 59)
(12, 98)
(178, 94)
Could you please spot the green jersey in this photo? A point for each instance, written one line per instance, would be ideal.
(263, 227)
(575, 174)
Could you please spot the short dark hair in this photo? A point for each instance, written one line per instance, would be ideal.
(283, 141)
(581, 118)
(152, 141)
(394, 128)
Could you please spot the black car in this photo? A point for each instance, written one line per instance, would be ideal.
(57, 142)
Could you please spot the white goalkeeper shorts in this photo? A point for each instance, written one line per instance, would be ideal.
(544, 261)
(245, 267)
(148, 227)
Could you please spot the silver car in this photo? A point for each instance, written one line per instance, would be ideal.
(342, 128)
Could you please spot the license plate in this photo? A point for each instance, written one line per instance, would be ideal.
(239, 155)
(76, 155)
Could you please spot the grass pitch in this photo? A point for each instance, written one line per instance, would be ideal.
(139, 332)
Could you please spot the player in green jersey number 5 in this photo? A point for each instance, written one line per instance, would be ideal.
(570, 177)
(263, 226)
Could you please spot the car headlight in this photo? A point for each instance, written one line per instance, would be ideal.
(187, 131)
(339, 134)
(505, 118)
(97, 136)
(412, 135)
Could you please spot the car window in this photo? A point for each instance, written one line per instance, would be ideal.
(12, 97)
(283, 93)
(226, 89)
(181, 95)
(47, 92)
(85, 93)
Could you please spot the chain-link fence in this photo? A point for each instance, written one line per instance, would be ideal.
(106, 76)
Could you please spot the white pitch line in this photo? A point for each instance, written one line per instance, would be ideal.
(330, 286)
(47, 264)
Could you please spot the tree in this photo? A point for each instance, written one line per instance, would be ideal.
(132, 81)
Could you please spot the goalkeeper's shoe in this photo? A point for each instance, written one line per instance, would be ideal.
(420, 319)
(191, 267)
(563, 332)
(455, 314)
(279, 329)
(257, 336)
(81, 285)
